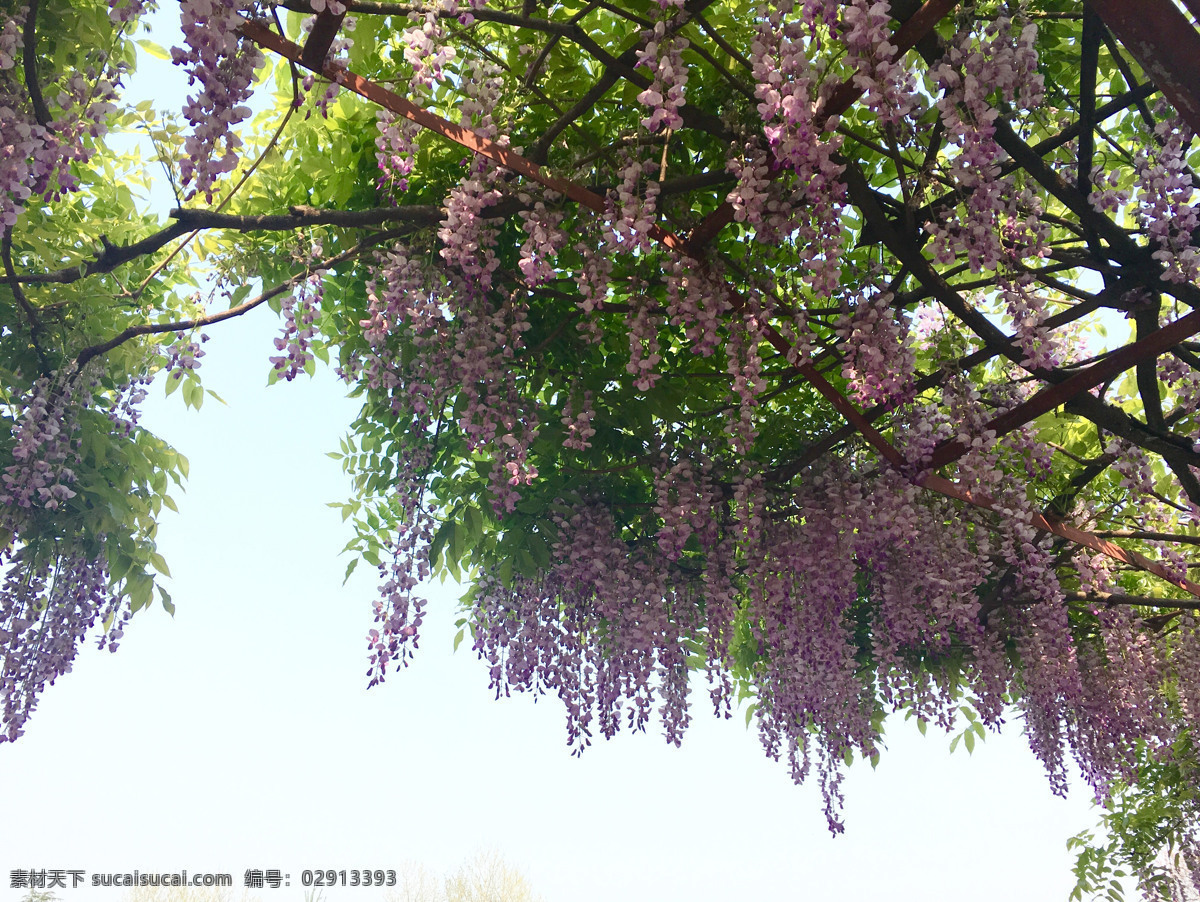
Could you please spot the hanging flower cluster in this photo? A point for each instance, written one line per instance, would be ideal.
(57, 585)
(424, 47)
(1003, 61)
(37, 155)
(633, 206)
(546, 239)
(879, 363)
(799, 138)
(222, 62)
(299, 319)
(467, 237)
(183, 355)
(334, 56)
(578, 426)
(643, 434)
(44, 449)
(832, 597)
(663, 56)
(889, 88)
(46, 609)
(698, 302)
(399, 611)
(1165, 201)
(395, 149)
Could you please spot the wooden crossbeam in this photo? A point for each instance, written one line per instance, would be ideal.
(1165, 44)
(1098, 373)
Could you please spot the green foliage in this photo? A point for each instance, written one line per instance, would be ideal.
(310, 165)
(1141, 825)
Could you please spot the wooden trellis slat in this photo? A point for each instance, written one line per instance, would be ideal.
(1111, 366)
(1065, 530)
(465, 137)
(1165, 44)
(919, 25)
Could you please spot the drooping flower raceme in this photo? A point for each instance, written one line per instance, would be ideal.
(35, 156)
(45, 611)
(546, 239)
(44, 452)
(299, 318)
(665, 96)
(395, 149)
(222, 64)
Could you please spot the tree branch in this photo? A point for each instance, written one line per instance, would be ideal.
(90, 353)
(106, 261)
(1130, 82)
(188, 220)
(31, 314)
(1149, 536)
(541, 148)
(1069, 195)
(1088, 60)
(40, 111)
(1063, 502)
(1145, 318)
(1177, 451)
(1146, 601)
(622, 66)
(720, 41)
(301, 216)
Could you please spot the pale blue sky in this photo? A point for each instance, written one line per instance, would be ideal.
(240, 733)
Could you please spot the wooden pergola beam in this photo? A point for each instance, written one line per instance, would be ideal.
(1114, 364)
(1165, 44)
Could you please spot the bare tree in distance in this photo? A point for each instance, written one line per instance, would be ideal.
(484, 877)
(187, 894)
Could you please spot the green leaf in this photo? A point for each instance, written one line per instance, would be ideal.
(240, 294)
(473, 520)
(439, 542)
(159, 563)
(750, 709)
(153, 49)
(138, 586)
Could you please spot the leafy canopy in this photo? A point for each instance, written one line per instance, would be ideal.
(841, 351)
